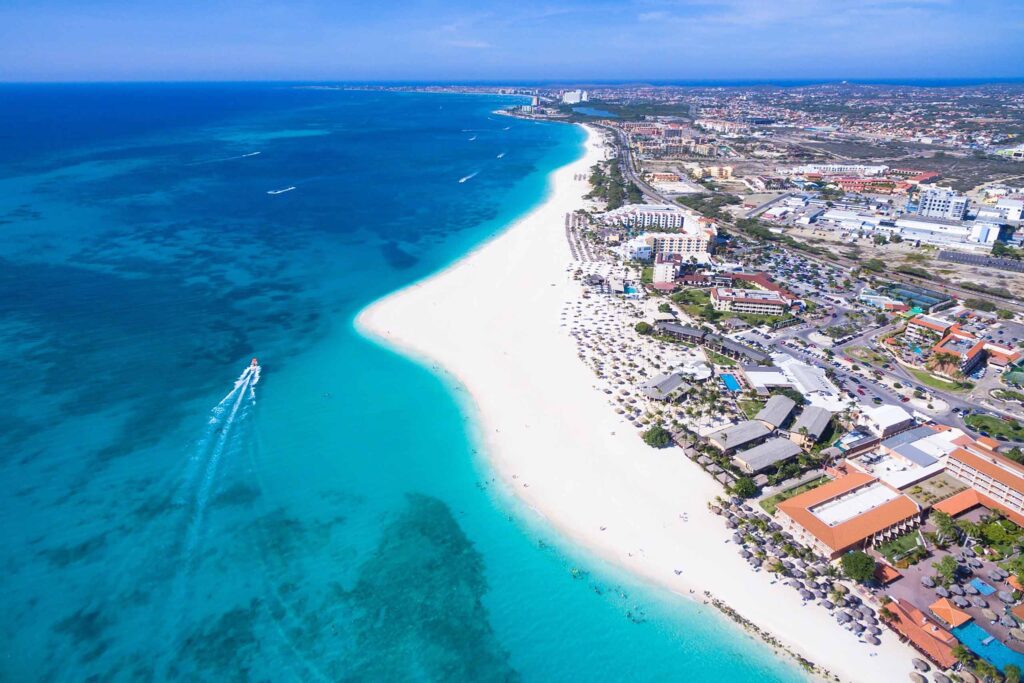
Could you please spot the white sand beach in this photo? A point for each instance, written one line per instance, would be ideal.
(493, 321)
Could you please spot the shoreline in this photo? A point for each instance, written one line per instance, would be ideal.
(490, 321)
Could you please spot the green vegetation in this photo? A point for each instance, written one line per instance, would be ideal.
(770, 503)
(858, 566)
(745, 487)
(609, 184)
(1008, 395)
(1004, 314)
(928, 379)
(647, 275)
(643, 327)
(664, 308)
(750, 407)
(1001, 250)
(657, 437)
(719, 359)
(866, 355)
(995, 427)
(877, 265)
(980, 305)
(903, 551)
(987, 289)
(709, 204)
(945, 570)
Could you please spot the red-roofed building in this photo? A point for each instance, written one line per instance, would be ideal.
(847, 513)
(996, 482)
(930, 639)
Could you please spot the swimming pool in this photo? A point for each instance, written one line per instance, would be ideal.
(995, 653)
(731, 383)
(982, 587)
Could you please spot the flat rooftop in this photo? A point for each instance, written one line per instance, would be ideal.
(854, 504)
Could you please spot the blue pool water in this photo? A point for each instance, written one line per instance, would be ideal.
(982, 587)
(972, 635)
(332, 521)
(731, 383)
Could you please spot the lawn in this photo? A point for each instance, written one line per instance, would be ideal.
(929, 380)
(995, 427)
(771, 502)
(719, 359)
(901, 547)
(750, 408)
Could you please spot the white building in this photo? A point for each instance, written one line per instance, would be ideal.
(666, 268)
(574, 96)
(664, 216)
(943, 231)
(884, 421)
(1004, 210)
(940, 202)
(756, 301)
(842, 169)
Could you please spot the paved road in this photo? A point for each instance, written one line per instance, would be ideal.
(770, 202)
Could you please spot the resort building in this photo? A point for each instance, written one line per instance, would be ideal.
(926, 330)
(666, 387)
(970, 352)
(753, 301)
(770, 453)
(744, 434)
(717, 343)
(662, 216)
(689, 244)
(809, 427)
(666, 268)
(847, 513)
(928, 637)
(910, 456)
(841, 169)
(886, 420)
(776, 411)
(762, 379)
(996, 482)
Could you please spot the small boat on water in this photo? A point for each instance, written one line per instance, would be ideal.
(282, 191)
(255, 363)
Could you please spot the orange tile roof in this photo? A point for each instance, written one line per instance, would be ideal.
(853, 531)
(991, 463)
(886, 574)
(945, 610)
(959, 502)
(970, 498)
(929, 638)
(925, 322)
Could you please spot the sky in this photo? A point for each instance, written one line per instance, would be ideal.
(522, 40)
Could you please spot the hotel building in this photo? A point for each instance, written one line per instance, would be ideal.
(755, 301)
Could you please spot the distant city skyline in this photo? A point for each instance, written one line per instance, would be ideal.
(60, 40)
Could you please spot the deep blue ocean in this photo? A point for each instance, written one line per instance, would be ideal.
(165, 515)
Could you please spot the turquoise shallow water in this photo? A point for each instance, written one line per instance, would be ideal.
(330, 521)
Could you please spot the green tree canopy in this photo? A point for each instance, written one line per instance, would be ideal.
(657, 437)
(858, 566)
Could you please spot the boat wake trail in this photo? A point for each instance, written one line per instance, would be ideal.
(223, 159)
(227, 417)
(467, 177)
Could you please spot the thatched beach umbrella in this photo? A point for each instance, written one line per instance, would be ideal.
(920, 664)
(956, 590)
(927, 582)
(990, 615)
(1017, 634)
(979, 601)
(871, 639)
(961, 602)
(942, 592)
(1005, 597)
(940, 678)
(917, 678)
(970, 589)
